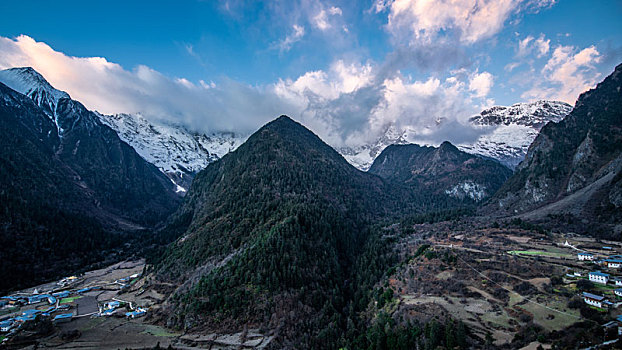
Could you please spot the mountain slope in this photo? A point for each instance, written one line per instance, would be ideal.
(69, 187)
(583, 151)
(442, 170)
(46, 225)
(177, 152)
(30, 83)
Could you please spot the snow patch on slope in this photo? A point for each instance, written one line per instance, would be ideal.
(469, 189)
(511, 130)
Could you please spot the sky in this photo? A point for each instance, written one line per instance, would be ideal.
(348, 70)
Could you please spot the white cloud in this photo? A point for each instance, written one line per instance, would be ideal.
(350, 105)
(528, 45)
(335, 11)
(295, 36)
(511, 66)
(566, 74)
(109, 88)
(342, 78)
(347, 104)
(322, 21)
(423, 21)
(542, 46)
(523, 46)
(433, 35)
(481, 83)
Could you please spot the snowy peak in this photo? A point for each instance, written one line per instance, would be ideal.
(510, 130)
(29, 82)
(176, 151)
(534, 114)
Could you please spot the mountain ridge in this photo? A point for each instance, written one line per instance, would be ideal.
(443, 170)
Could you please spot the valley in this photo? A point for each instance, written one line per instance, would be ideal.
(502, 283)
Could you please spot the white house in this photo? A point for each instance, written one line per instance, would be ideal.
(618, 292)
(593, 299)
(614, 263)
(598, 277)
(585, 256)
(617, 281)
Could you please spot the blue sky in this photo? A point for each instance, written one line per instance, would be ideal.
(346, 69)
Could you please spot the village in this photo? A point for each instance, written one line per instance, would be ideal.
(93, 295)
(500, 281)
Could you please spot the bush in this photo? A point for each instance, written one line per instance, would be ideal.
(584, 285)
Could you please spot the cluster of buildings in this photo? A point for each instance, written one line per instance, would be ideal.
(19, 308)
(13, 322)
(613, 262)
(113, 308)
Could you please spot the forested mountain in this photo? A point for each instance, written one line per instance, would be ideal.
(69, 186)
(574, 166)
(280, 232)
(443, 170)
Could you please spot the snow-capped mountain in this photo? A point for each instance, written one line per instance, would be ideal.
(90, 164)
(510, 130)
(506, 135)
(177, 152)
(363, 156)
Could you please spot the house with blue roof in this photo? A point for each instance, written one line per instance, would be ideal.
(25, 318)
(618, 292)
(613, 263)
(598, 277)
(61, 295)
(135, 314)
(30, 312)
(108, 312)
(6, 325)
(37, 298)
(113, 305)
(62, 318)
(16, 300)
(593, 299)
